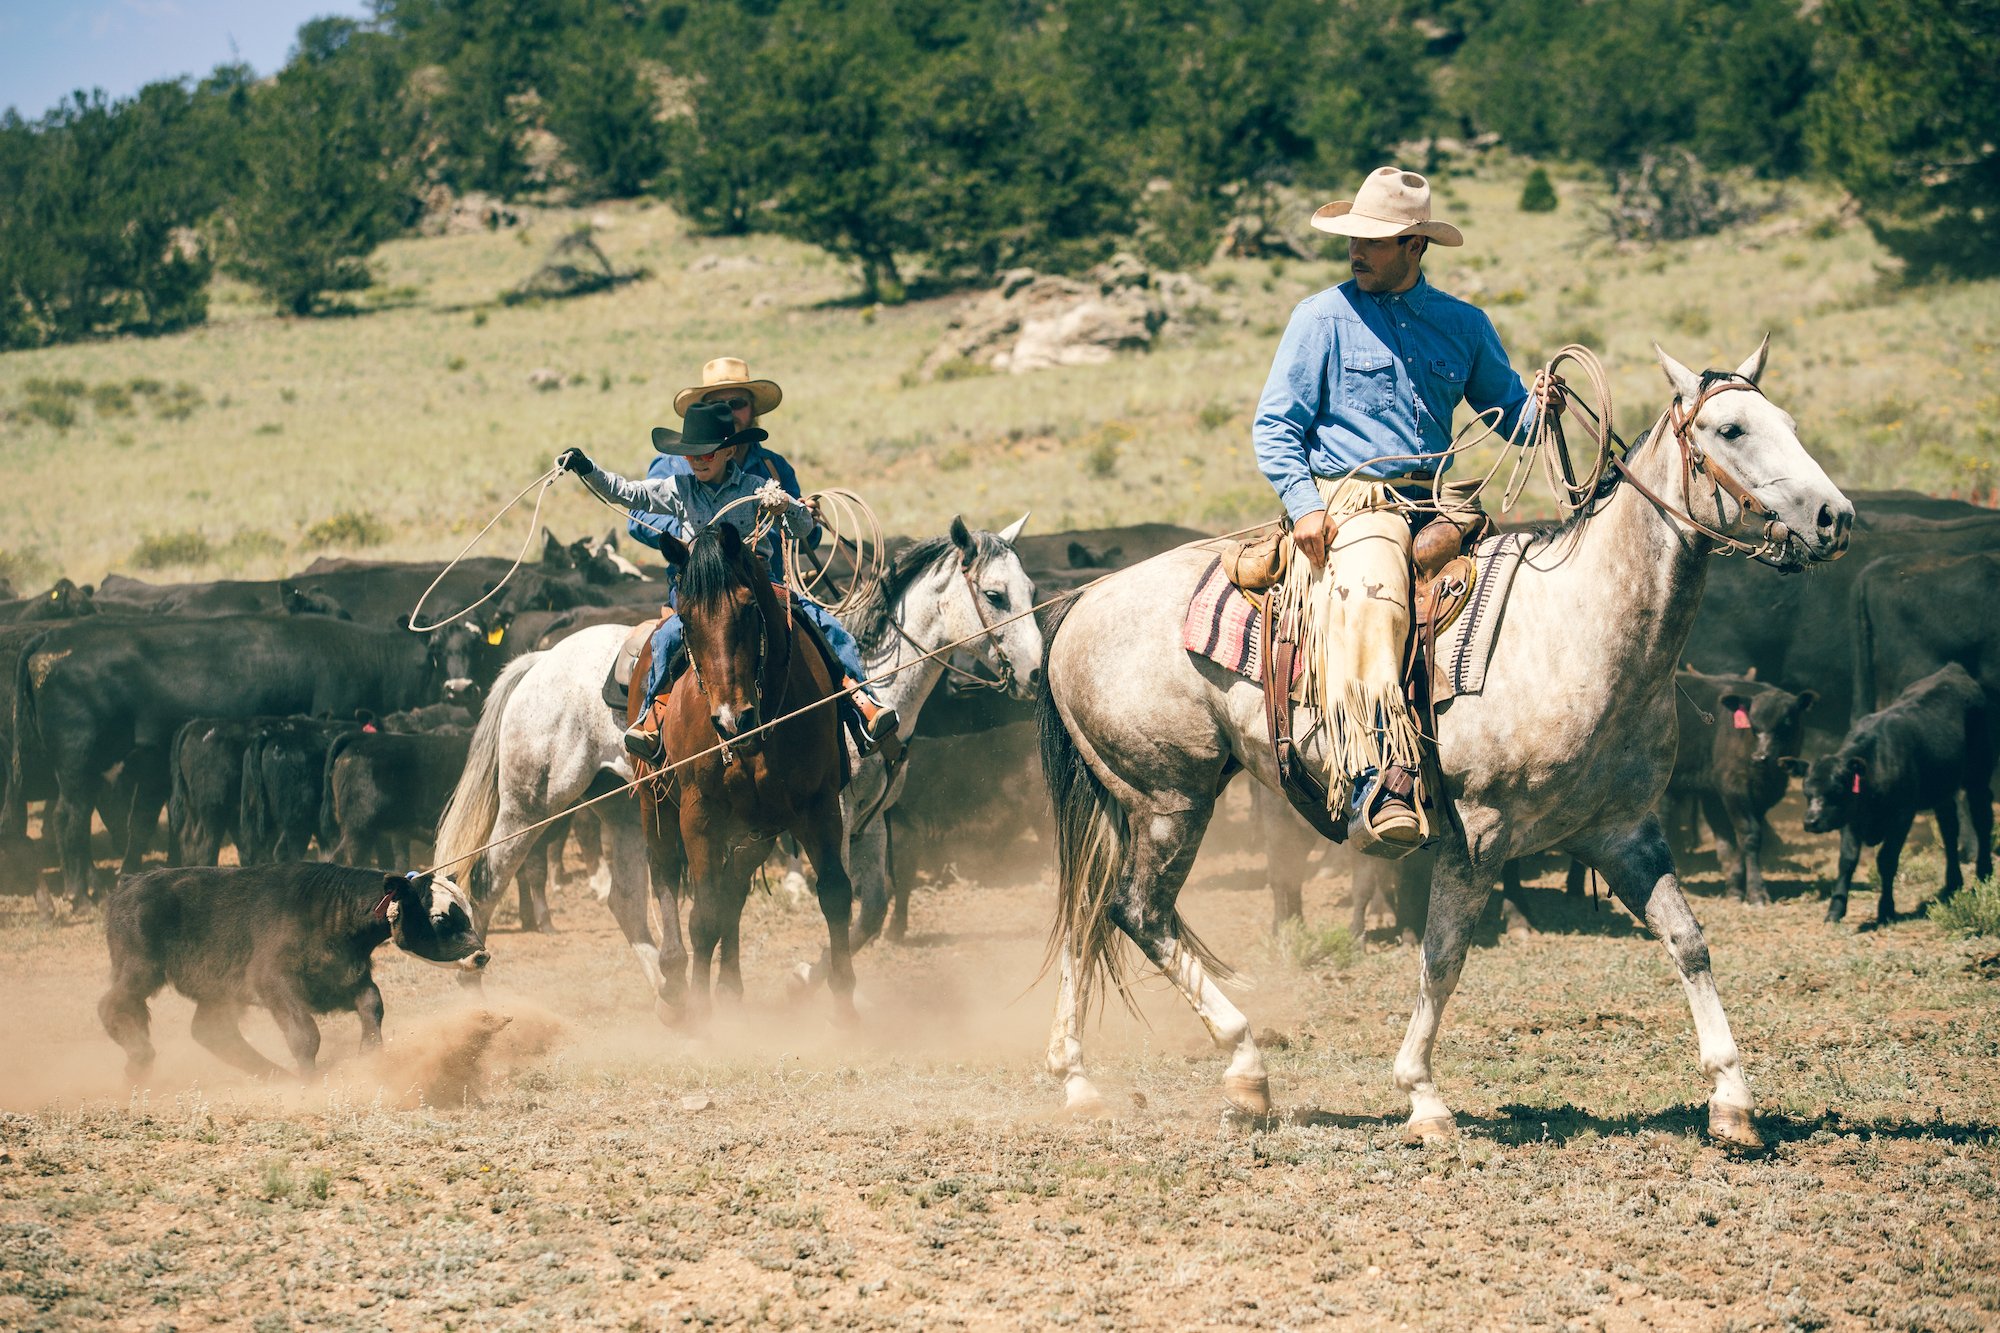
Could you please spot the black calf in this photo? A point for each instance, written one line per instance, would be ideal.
(297, 940)
(1740, 741)
(1919, 753)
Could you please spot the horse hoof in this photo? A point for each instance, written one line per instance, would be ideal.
(1250, 1094)
(670, 1015)
(1430, 1130)
(1731, 1127)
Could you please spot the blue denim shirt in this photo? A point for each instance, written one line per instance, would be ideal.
(1358, 377)
(682, 502)
(759, 462)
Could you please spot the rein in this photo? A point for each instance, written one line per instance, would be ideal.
(987, 629)
(1681, 422)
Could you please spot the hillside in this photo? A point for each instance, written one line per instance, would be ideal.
(416, 417)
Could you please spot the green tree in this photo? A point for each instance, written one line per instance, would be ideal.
(1538, 193)
(1908, 122)
(98, 204)
(600, 103)
(325, 180)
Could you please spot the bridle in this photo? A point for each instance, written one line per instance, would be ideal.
(972, 680)
(1680, 421)
(762, 661)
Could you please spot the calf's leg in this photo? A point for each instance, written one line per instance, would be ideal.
(215, 1027)
(1887, 856)
(1843, 879)
(368, 1008)
(125, 1016)
(1747, 828)
(1946, 815)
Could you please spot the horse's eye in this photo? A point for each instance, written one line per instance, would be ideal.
(1730, 432)
(998, 599)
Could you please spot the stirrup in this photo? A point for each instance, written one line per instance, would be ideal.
(644, 744)
(1383, 822)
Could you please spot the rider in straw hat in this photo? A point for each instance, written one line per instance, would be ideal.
(726, 379)
(711, 442)
(1350, 431)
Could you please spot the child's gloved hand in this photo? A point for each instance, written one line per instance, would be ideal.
(772, 500)
(577, 461)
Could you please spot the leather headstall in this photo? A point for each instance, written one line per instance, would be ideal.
(1680, 421)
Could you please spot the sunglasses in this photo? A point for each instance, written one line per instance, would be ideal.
(703, 458)
(736, 404)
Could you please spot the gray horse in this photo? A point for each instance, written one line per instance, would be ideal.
(545, 739)
(1569, 746)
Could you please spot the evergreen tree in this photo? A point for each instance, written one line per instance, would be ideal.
(600, 103)
(1908, 122)
(325, 181)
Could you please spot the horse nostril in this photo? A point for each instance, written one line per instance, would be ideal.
(1826, 518)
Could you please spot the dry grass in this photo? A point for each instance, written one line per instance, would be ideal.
(419, 412)
(915, 1173)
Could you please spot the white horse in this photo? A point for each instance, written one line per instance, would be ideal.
(546, 739)
(1569, 746)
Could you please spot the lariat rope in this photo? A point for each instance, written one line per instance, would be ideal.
(466, 857)
(1544, 443)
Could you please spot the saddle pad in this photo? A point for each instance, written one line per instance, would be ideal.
(1466, 645)
(1225, 626)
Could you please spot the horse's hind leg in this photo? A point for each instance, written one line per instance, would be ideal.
(1458, 895)
(1159, 852)
(1640, 869)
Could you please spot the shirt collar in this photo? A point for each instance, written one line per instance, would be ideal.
(1416, 298)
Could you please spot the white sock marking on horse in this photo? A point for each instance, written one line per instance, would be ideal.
(649, 960)
(1225, 1022)
(1066, 1042)
(599, 882)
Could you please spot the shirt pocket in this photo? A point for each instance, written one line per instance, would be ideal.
(1368, 380)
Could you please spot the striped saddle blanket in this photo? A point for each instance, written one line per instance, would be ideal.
(1225, 626)
(1466, 645)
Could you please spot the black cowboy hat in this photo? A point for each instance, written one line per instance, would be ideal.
(706, 428)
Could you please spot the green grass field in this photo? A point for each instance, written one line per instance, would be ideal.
(257, 442)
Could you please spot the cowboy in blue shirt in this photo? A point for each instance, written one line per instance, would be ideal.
(1351, 431)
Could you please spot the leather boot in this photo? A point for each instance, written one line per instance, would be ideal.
(881, 724)
(643, 742)
(1394, 818)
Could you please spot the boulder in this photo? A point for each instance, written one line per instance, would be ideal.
(1031, 321)
(448, 214)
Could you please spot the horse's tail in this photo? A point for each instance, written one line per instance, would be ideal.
(1090, 852)
(469, 816)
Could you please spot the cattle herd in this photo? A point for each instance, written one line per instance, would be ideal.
(283, 715)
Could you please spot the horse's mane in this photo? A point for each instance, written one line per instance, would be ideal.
(870, 622)
(709, 573)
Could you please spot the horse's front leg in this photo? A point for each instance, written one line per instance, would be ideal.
(1639, 867)
(823, 835)
(1459, 889)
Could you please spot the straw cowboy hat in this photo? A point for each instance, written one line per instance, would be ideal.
(730, 372)
(1391, 202)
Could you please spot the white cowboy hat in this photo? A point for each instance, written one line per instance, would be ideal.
(730, 372)
(1391, 202)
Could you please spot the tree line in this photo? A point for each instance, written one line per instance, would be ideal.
(940, 141)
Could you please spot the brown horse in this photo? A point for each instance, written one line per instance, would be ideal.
(749, 662)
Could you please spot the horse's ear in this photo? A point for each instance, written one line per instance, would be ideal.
(674, 549)
(1753, 368)
(961, 537)
(1013, 530)
(1685, 382)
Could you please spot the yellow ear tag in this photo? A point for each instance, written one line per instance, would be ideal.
(54, 596)
(497, 633)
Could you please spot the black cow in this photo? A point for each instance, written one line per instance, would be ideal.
(1797, 633)
(221, 597)
(298, 940)
(385, 787)
(1740, 742)
(64, 601)
(284, 767)
(967, 801)
(1915, 613)
(387, 593)
(93, 695)
(204, 800)
(431, 717)
(1919, 753)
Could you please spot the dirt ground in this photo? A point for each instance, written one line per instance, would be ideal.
(582, 1166)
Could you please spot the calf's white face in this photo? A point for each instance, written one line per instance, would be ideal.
(431, 919)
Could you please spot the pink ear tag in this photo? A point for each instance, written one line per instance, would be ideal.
(1742, 720)
(1857, 784)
